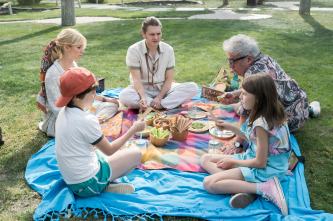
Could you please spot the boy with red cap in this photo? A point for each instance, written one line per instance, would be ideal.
(86, 159)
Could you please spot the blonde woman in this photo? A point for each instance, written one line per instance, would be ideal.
(69, 48)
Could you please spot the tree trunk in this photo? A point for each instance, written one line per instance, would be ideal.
(225, 2)
(67, 13)
(304, 7)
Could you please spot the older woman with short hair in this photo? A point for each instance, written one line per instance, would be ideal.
(245, 59)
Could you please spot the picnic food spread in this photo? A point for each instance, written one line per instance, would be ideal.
(178, 126)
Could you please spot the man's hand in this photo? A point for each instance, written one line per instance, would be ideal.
(156, 103)
(142, 105)
(231, 149)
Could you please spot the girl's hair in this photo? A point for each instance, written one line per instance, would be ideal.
(93, 87)
(267, 104)
(241, 45)
(69, 37)
(150, 21)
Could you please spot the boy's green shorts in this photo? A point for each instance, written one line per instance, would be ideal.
(96, 184)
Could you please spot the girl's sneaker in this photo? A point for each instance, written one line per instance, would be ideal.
(272, 191)
(242, 200)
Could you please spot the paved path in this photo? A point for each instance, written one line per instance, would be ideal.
(219, 14)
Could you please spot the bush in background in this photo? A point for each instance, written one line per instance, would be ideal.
(28, 2)
(94, 1)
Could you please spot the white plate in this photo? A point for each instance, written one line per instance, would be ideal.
(224, 134)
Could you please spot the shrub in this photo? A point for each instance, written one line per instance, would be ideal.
(28, 2)
(94, 1)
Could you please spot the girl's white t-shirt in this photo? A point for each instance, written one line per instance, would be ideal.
(76, 133)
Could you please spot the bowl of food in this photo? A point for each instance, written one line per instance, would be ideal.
(149, 118)
(145, 132)
(158, 136)
(161, 122)
(199, 127)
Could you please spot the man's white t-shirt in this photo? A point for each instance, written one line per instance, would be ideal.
(164, 59)
(76, 133)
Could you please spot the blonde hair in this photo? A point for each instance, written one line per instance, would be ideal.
(69, 37)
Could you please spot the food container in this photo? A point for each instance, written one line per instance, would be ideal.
(161, 122)
(179, 136)
(149, 122)
(159, 142)
(150, 119)
(145, 132)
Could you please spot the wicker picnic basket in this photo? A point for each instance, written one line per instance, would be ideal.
(161, 120)
(179, 136)
(219, 85)
(159, 142)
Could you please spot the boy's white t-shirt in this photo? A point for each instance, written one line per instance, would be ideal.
(76, 133)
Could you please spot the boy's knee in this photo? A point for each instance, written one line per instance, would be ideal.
(137, 155)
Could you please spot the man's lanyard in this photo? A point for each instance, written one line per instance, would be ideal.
(154, 70)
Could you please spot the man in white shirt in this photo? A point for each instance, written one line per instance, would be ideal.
(151, 63)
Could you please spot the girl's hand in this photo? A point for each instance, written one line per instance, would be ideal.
(101, 120)
(222, 125)
(225, 163)
(139, 125)
(113, 101)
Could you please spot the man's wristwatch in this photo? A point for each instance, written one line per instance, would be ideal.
(237, 144)
(103, 99)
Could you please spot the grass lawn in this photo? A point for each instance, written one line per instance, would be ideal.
(302, 45)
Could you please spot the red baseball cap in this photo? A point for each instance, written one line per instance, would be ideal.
(73, 82)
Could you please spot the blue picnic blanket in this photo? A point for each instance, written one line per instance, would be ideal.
(165, 192)
(162, 193)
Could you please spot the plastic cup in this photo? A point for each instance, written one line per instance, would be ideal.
(192, 111)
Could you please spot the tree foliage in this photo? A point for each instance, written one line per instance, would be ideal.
(29, 2)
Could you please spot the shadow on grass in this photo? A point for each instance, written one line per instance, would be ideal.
(35, 34)
(319, 28)
(14, 191)
(18, 161)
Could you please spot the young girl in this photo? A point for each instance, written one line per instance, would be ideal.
(68, 47)
(258, 170)
(85, 170)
